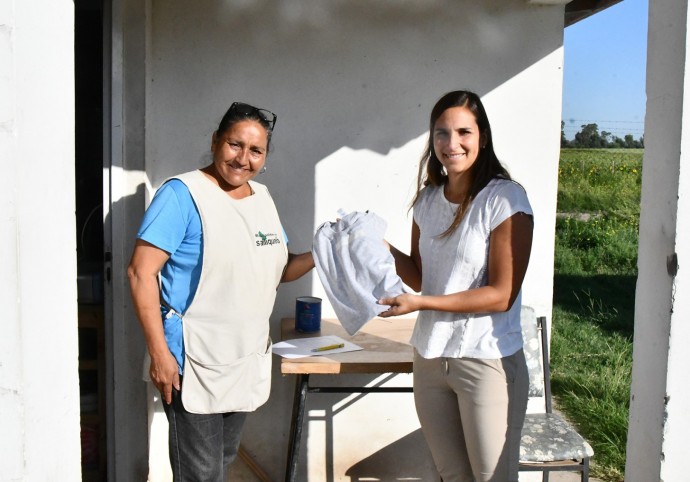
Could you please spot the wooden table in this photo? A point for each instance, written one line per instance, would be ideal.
(386, 349)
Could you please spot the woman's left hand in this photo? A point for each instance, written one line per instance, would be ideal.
(400, 305)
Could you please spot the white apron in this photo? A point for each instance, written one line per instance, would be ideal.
(227, 365)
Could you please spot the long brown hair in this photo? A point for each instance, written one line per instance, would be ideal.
(485, 168)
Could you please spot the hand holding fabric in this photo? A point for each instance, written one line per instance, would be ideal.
(355, 267)
(400, 305)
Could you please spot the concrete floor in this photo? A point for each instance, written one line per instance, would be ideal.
(241, 472)
(246, 470)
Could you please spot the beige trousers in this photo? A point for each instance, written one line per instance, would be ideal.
(471, 411)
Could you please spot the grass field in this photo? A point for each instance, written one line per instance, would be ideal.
(594, 292)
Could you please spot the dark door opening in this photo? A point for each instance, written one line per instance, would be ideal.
(88, 52)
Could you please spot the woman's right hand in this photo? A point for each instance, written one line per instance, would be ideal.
(400, 305)
(165, 375)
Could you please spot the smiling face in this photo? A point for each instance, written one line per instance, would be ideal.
(239, 153)
(457, 140)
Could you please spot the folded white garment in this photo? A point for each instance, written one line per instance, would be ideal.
(355, 267)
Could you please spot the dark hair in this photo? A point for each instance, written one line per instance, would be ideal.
(485, 168)
(234, 115)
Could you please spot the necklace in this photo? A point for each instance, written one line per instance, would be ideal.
(453, 208)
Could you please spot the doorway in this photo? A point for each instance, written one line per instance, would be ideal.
(89, 115)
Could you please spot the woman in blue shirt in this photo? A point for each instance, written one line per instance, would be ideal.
(213, 238)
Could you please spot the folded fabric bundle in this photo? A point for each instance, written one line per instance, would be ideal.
(355, 267)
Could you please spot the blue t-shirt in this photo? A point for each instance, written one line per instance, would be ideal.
(173, 224)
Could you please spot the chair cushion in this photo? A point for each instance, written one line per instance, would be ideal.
(547, 437)
(532, 349)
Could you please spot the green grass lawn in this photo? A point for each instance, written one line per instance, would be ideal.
(594, 293)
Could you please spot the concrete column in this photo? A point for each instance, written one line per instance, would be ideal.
(39, 385)
(126, 392)
(659, 420)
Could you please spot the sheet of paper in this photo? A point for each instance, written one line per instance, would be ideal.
(301, 347)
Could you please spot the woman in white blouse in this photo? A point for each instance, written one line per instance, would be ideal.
(471, 242)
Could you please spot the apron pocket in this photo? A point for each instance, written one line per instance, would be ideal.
(240, 386)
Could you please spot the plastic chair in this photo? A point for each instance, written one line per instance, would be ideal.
(549, 443)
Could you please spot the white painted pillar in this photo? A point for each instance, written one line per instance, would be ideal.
(660, 395)
(125, 392)
(39, 385)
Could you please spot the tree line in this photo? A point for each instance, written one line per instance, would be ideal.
(590, 137)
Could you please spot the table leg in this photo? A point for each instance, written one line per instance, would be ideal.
(298, 404)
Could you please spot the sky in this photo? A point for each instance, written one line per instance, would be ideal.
(604, 71)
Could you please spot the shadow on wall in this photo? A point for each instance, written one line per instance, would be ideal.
(362, 75)
(125, 344)
(340, 73)
(349, 426)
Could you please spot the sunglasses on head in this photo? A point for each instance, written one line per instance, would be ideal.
(251, 111)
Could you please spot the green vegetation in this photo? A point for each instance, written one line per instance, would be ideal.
(594, 291)
(595, 180)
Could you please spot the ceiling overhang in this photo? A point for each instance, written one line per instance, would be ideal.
(576, 10)
(580, 9)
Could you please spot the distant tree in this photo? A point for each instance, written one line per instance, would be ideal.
(605, 139)
(588, 136)
(617, 142)
(564, 142)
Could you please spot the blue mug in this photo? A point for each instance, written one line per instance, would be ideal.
(308, 314)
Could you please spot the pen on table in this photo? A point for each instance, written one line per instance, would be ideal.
(329, 347)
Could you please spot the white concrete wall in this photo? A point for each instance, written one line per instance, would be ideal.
(659, 423)
(352, 84)
(39, 386)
